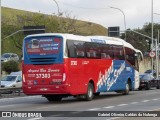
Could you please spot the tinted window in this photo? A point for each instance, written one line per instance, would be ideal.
(92, 50)
(75, 49)
(130, 56)
(118, 52)
(43, 45)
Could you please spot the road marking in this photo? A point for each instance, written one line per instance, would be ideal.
(122, 104)
(56, 115)
(134, 102)
(34, 119)
(76, 112)
(154, 99)
(7, 106)
(45, 107)
(94, 109)
(145, 100)
(155, 109)
(109, 107)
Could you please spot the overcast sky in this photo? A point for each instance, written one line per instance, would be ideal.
(137, 12)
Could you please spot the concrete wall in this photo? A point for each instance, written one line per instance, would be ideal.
(146, 64)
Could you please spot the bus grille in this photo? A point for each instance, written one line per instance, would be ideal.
(42, 60)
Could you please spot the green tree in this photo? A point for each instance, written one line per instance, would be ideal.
(139, 41)
(10, 66)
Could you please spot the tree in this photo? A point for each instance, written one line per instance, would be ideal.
(10, 66)
(140, 42)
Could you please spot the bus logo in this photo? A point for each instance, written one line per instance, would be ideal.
(73, 62)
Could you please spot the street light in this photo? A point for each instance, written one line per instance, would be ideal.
(156, 13)
(57, 6)
(123, 16)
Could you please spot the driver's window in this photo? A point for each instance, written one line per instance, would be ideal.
(19, 79)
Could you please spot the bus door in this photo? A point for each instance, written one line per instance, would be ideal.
(76, 55)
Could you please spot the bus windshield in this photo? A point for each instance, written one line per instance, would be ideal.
(43, 47)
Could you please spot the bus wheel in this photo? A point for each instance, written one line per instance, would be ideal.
(126, 91)
(89, 95)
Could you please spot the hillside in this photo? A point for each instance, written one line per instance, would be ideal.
(14, 20)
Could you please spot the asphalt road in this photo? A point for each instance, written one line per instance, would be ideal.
(136, 101)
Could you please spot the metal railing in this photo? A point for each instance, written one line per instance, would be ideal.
(10, 90)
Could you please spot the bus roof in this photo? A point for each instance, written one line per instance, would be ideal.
(108, 40)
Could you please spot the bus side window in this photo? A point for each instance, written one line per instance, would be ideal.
(80, 54)
(79, 49)
(130, 56)
(93, 54)
(71, 49)
(103, 55)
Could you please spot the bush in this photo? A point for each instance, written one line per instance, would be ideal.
(10, 66)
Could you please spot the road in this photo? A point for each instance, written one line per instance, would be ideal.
(136, 101)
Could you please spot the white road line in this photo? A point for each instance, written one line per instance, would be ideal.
(56, 115)
(134, 102)
(34, 119)
(76, 112)
(7, 106)
(155, 109)
(45, 107)
(145, 100)
(154, 99)
(122, 104)
(109, 107)
(94, 109)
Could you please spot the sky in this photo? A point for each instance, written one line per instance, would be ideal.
(136, 12)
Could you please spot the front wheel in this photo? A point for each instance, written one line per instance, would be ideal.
(89, 95)
(126, 91)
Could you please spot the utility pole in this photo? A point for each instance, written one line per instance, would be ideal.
(152, 33)
(157, 58)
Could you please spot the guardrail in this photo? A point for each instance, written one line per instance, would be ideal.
(10, 90)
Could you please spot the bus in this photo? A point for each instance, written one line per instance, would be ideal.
(57, 65)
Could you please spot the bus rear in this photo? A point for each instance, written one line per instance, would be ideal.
(43, 65)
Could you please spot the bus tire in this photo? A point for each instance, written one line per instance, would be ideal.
(89, 95)
(126, 91)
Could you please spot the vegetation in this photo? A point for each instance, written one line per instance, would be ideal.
(14, 20)
(10, 66)
(140, 42)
